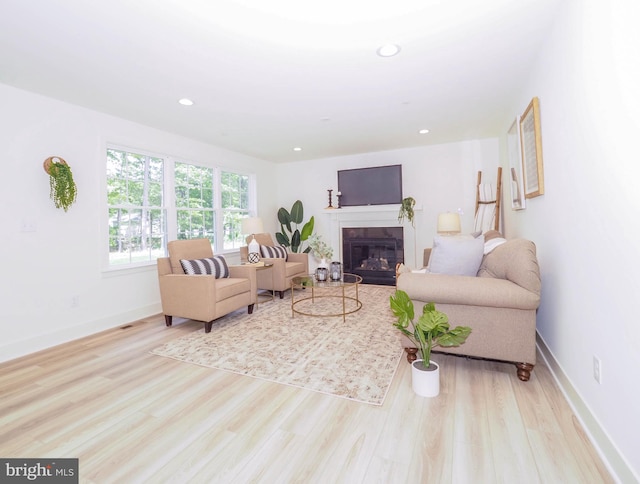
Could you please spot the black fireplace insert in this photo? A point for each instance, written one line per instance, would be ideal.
(373, 252)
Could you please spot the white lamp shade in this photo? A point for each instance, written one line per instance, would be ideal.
(251, 225)
(449, 223)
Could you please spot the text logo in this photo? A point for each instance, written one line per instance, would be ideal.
(45, 471)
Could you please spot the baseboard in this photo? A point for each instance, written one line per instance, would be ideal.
(48, 340)
(613, 459)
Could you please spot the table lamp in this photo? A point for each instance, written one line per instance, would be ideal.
(449, 223)
(252, 226)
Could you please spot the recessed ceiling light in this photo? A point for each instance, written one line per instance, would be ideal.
(186, 102)
(388, 50)
(297, 148)
(423, 131)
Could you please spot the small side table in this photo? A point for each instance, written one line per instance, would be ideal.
(263, 294)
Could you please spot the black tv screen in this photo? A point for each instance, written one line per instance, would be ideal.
(378, 185)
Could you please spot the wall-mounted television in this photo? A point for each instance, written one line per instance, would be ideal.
(378, 185)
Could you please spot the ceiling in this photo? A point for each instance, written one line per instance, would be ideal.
(265, 79)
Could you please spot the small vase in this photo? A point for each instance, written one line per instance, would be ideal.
(323, 263)
(425, 382)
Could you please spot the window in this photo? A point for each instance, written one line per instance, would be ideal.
(152, 199)
(195, 202)
(137, 219)
(235, 206)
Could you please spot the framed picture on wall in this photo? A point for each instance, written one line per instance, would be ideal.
(515, 166)
(531, 147)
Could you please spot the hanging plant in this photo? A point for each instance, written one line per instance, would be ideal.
(63, 188)
(406, 210)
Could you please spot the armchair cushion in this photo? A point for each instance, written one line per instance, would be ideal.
(216, 265)
(273, 252)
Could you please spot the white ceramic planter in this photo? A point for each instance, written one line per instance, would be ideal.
(425, 383)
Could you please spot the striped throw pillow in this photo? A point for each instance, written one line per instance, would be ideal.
(273, 252)
(216, 265)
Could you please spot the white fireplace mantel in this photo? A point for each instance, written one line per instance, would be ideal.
(372, 216)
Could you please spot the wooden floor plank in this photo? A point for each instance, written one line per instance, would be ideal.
(105, 398)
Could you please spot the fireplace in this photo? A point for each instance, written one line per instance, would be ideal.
(373, 252)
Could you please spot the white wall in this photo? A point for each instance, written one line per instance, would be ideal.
(586, 223)
(44, 269)
(441, 178)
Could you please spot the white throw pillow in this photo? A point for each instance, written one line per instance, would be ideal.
(456, 255)
(491, 244)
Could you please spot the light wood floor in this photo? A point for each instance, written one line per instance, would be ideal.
(130, 416)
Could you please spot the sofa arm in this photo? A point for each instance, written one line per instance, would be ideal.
(300, 257)
(466, 291)
(246, 271)
(188, 296)
(279, 273)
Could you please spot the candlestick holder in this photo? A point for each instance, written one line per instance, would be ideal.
(330, 201)
(338, 195)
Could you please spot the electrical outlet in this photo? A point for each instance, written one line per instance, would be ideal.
(597, 369)
(28, 225)
(75, 301)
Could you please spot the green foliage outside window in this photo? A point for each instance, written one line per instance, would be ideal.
(235, 206)
(135, 191)
(195, 202)
(138, 215)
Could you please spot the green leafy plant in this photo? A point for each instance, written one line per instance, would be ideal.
(63, 189)
(431, 330)
(319, 247)
(290, 235)
(406, 210)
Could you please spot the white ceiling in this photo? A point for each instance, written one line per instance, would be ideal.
(265, 79)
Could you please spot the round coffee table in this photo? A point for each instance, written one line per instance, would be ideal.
(326, 289)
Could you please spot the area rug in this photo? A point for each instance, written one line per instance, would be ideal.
(355, 359)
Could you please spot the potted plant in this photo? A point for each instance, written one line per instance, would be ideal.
(290, 235)
(320, 250)
(406, 210)
(63, 190)
(429, 331)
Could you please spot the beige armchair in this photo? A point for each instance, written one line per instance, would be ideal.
(283, 271)
(202, 297)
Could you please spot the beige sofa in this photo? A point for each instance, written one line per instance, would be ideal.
(499, 304)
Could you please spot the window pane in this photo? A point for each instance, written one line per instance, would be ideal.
(207, 197)
(184, 222)
(135, 192)
(116, 191)
(210, 226)
(115, 162)
(235, 189)
(194, 200)
(134, 167)
(155, 194)
(195, 196)
(136, 233)
(156, 170)
(233, 238)
(197, 224)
